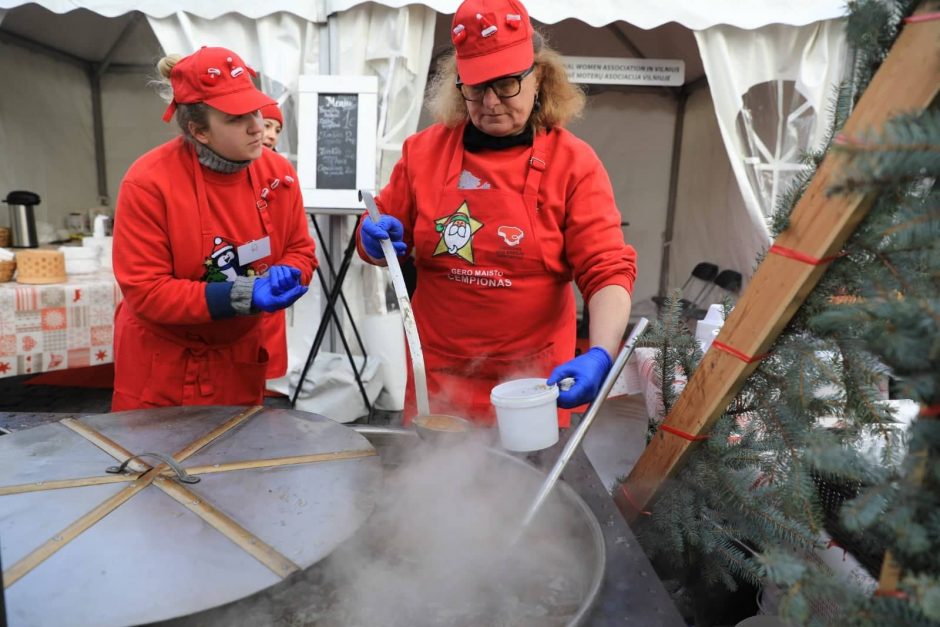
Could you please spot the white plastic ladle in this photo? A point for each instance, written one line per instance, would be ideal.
(407, 317)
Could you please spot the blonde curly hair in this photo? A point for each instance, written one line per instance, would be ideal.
(561, 100)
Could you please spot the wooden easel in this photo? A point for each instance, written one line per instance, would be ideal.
(907, 81)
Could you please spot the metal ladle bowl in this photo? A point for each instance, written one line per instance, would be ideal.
(442, 428)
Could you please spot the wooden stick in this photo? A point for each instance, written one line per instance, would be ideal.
(48, 548)
(223, 428)
(273, 462)
(250, 543)
(33, 559)
(105, 443)
(908, 80)
(39, 486)
(890, 574)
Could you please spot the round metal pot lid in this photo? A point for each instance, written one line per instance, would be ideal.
(275, 491)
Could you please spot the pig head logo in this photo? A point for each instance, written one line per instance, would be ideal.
(512, 235)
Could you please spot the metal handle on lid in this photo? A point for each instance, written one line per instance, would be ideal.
(166, 459)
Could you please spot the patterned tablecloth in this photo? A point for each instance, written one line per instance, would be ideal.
(57, 326)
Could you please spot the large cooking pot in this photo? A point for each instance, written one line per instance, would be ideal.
(311, 598)
(22, 219)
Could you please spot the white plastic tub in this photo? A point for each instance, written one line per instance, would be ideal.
(526, 414)
(80, 260)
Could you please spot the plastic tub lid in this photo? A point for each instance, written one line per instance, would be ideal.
(78, 252)
(523, 393)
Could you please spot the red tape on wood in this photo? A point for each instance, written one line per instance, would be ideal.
(803, 257)
(629, 497)
(683, 434)
(922, 17)
(736, 353)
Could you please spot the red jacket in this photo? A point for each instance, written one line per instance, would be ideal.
(497, 304)
(169, 241)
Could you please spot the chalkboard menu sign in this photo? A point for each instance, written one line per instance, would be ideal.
(336, 141)
(337, 123)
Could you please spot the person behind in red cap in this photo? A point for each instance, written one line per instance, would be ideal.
(274, 325)
(502, 207)
(209, 231)
(273, 124)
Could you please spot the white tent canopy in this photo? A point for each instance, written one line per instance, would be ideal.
(666, 149)
(746, 14)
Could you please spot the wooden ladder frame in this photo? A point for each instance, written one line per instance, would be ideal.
(908, 80)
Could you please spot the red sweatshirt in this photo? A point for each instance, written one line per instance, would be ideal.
(505, 302)
(173, 247)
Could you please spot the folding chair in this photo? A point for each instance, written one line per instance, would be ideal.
(728, 280)
(704, 272)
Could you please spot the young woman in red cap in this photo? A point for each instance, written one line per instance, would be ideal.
(273, 124)
(209, 231)
(502, 208)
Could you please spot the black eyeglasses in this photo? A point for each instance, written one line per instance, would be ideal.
(503, 87)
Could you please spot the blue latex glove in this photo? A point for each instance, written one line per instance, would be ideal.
(372, 233)
(283, 278)
(264, 297)
(588, 371)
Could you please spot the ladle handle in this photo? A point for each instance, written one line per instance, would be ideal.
(586, 421)
(407, 317)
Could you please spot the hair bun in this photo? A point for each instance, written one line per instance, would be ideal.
(165, 65)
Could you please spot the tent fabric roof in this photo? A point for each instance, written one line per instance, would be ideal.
(209, 9)
(692, 14)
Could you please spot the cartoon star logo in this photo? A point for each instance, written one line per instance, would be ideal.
(457, 231)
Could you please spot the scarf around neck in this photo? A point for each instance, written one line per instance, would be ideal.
(475, 140)
(216, 162)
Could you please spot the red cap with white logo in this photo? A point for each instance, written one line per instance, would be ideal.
(493, 38)
(217, 77)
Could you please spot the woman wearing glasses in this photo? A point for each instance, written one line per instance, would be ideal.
(502, 208)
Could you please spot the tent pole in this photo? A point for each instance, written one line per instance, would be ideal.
(682, 99)
(673, 186)
(103, 65)
(13, 39)
(95, 72)
(626, 41)
(94, 80)
(329, 64)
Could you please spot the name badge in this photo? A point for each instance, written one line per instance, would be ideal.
(253, 251)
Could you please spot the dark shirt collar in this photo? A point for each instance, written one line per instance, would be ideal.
(475, 140)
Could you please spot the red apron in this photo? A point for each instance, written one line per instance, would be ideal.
(274, 334)
(216, 363)
(487, 308)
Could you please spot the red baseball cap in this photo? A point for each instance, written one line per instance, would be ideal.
(217, 77)
(272, 112)
(493, 38)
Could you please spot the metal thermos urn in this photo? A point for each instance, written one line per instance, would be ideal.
(22, 219)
